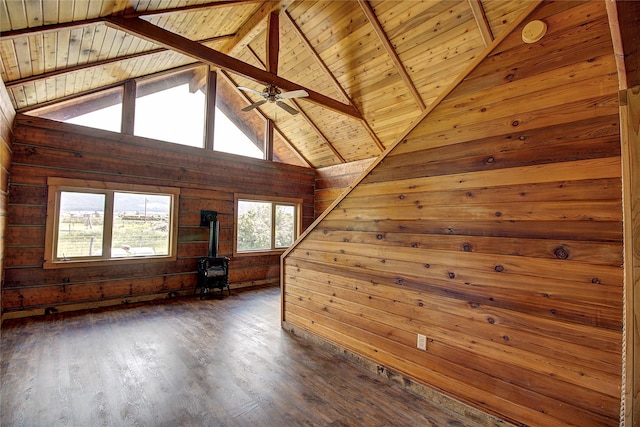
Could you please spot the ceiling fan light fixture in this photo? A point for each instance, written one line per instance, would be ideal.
(271, 93)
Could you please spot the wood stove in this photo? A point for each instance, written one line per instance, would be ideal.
(213, 270)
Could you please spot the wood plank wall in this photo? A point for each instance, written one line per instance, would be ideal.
(208, 181)
(333, 180)
(495, 229)
(7, 116)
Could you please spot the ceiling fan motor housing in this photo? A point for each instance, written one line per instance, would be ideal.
(272, 93)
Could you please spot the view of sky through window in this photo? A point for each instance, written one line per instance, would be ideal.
(174, 115)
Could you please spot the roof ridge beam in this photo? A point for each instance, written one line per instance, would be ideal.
(185, 46)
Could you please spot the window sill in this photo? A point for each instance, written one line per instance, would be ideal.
(259, 253)
(51, 265)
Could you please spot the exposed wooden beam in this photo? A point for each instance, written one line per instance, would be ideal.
(50, 28)
(292, 147)
(629, 13)
(481, 21)
(199, 79)
(255, 56)
(288, 143)
(329, 74)
(319, 132)
(210, 109)
(273, 42)
(616, 37)
(128, 121)
(307, 44)
(154, 34)
(251, 28)
(388, 47)
(268, 139)
(624, 22)
(102, 63)
(304, 115)
(187, 8)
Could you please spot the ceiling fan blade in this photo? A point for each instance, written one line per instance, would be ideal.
(254, 105)
(294, 94)
(286, 107)
(248, 89)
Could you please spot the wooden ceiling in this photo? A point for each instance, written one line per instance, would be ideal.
(371, 67)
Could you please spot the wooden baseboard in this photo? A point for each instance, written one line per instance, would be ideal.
(472, 414)
(88, 305)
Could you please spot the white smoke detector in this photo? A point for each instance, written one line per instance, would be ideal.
(534, 31)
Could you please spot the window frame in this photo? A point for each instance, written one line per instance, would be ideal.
(57, 185)
(274, 200)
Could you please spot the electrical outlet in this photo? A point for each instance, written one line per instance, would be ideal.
(422, 342)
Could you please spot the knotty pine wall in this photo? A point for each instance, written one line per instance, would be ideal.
(495, 229)
(7, 115)
(208, 181)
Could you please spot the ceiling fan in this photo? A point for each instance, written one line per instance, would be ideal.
(272, 94)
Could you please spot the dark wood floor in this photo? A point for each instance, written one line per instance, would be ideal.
(186, 362)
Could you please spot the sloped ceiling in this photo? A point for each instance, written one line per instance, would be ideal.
(382, 61)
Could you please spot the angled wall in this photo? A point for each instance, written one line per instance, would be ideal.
(494, 228)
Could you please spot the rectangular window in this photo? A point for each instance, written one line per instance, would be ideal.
(91, 222)
(266, 224)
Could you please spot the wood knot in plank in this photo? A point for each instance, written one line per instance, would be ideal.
(561, 253)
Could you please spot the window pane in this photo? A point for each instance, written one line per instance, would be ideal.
(285, 226)
(228, 138)
(140, 225)
(173, 115)
(254, 226)
(80, 226)
(100, 111)
(109, 118)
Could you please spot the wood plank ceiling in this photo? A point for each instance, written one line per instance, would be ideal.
(371, 67)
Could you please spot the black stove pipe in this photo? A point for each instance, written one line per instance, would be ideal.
(210, 218)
